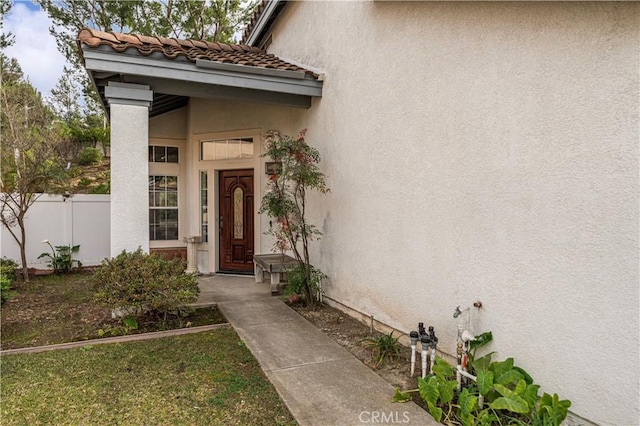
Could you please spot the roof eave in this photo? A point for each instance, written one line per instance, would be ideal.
(263, 22)
(222, 74)
(212, 79)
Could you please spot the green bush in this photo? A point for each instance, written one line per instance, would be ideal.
(383, 347)
(8, 268)
(139, 283)
(84, 181)
(89, 156)
(103, 188)
(297, 281)
(502, 393)
(7, 276)
(60, 258)
(5, 289)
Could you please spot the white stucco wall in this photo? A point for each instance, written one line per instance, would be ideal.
(129, 178)
(484, 151)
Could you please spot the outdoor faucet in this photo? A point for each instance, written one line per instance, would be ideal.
(457, 312)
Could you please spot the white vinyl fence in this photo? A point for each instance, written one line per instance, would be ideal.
(79, 219)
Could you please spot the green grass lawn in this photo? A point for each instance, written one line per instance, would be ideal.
(207, 378)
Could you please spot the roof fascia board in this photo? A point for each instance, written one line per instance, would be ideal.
(263, 20)
(144, 66)
(203, 63)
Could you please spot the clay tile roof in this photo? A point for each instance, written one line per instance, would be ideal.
(256, 13)
(191, 50)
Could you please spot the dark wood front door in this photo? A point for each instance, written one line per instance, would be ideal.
(236, 221)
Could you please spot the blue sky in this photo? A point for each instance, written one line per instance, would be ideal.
(34, 48)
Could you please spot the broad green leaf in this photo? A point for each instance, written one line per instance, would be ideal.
(436, 412)
(521, 387)
(486, 417)
(429, 389)
(525, 375)
(509, 376)
(466, 401)
(484, 380)
(400, 396)
(442, 368)
(509, 400)
(467, 419)
(482, 364)
(131, 322)
(481, 340)
(514, 405)
(531, 395)
(501, 367)
(446, 390)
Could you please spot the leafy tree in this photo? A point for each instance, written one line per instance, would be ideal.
(66, 95)
(286, 202)
(6, 40)
(79, 124)
(30, 165)
(213, 20)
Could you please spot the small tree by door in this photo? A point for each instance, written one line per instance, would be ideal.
(286, 203)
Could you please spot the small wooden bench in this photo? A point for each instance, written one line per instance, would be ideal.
(275, 265)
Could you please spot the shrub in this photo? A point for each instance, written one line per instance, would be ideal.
(89, 156)
(138, 283)
(103, 188)
(84, 181)
(7, 276)
(8, 268)
(297, 282)
(384, 346)
(5, 289)
(60, 258)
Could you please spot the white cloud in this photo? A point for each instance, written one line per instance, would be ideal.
(34, 48)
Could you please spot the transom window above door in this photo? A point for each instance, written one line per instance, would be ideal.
(226, 149)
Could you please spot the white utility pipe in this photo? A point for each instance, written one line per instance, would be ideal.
(424, 363)
(459, 373)
(433, 358)
(413, 359)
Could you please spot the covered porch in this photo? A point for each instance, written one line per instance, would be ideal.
(186, 123)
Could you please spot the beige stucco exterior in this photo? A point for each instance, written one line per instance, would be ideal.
(475, 152)
(485, 152)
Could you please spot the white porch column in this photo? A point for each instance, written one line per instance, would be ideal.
(129, 104)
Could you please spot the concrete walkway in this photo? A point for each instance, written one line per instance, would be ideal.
(320, 382)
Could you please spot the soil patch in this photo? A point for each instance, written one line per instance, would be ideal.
(350, 333)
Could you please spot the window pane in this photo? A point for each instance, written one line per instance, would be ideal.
(172, 154)
(204, 218)
(233, 149)
(151, 154)
(226, 149)
(171, 183)
(163, 222)
(159, 154)
(207, 151)
(161, 199)
(172, 224)
(221, 150)
(237, 214)
(172, 199)
(247, 149)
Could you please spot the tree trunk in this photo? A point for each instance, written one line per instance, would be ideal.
(23, 251)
